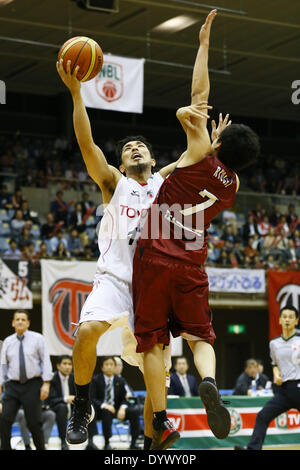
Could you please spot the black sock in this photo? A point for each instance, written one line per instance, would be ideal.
(147, 442)
(210, 379)
(160, 416)
(83, 391)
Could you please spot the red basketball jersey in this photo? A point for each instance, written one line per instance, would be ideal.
(188, 200)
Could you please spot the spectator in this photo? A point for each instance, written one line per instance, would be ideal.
(28, 252)
(29, 214)
(54, 241)
(228, 235)
(275, 215)
(264, 226)
(181, 383)
(77, 220)
(17, 224)
(270, 263)
(290, 252)
(49, 227)
(26, 372)
(244, 382)
(13, 252)
(5, 198)
(61, 252)
(62, 394)
(60, 208)
(249, 248)
(108, 394)
(291, 216)
(86, 204)
(48, 420)
(249, 229)
(74, 243)
(258, 213)
(223, 259)
(238, 252)
(42, 253)
(229, 217)
(17, 199)
(26, 235)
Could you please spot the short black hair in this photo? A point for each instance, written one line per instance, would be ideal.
(106, 358)
(62, 357)
(131, 138)
(289, 307)
(20, 310)
(240, 147)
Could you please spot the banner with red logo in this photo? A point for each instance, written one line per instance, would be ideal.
(15, 284)
(118, 87)
(189, 417)
(65, 286)
(283, 289)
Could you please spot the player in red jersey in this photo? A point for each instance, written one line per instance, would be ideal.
(170, 286)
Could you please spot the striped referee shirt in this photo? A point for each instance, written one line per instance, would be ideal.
(285, 354)
(37, 359)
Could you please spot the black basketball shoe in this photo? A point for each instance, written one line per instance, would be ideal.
(164, 435)
(77, 430)
(218, 416)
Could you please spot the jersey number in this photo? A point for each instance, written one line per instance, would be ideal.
(204, 205)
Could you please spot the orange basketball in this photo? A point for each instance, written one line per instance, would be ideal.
(86, 53)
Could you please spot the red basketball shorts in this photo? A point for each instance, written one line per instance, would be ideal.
(169, 296)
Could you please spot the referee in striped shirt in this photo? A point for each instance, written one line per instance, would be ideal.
(285, 355)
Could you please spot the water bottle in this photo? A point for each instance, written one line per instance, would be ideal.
(253, 388)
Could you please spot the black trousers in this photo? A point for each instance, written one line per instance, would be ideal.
(285, 397)
(61, 412)
(27, 395)
(132, 415)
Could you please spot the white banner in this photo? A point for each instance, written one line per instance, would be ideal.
(118, 87)
(236, 280)
(65, 286)
(15, 280)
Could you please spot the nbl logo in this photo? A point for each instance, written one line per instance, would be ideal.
(109, 82)
(67, 297)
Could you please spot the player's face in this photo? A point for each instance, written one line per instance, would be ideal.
(136, 153)
(288, 319)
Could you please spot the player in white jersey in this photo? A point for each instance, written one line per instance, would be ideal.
(126, 199)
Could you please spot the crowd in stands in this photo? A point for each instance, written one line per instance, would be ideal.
(39, 162)
(256, 239)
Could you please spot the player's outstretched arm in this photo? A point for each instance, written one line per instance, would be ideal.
(105, 175)
(185, 115)
(200, 80)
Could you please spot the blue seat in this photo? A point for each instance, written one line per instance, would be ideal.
(4, 217)
(91, 221)
(4, 244)
(91, 231)
(5, 229)
(36, 231)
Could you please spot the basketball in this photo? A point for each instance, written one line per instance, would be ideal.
(86, 53)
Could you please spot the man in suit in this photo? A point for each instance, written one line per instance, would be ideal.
(244, 381)
(108, 395)
(62, 394)
(183, 384)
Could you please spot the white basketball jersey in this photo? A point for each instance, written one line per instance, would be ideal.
(121, 224)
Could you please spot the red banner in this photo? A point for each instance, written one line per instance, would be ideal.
(283, 289)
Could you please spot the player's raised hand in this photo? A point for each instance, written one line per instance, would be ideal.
(205, 28)
(216, 131)
(69, 78)
(188, 114)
